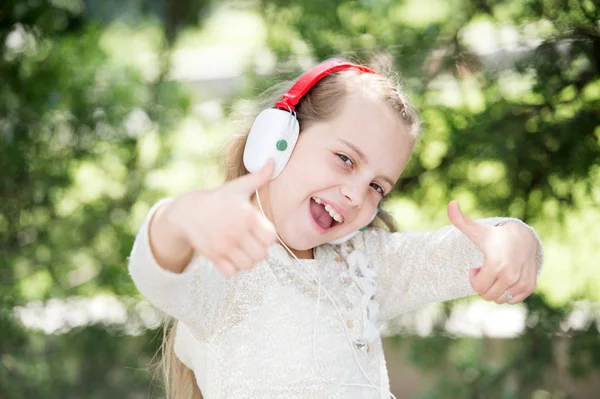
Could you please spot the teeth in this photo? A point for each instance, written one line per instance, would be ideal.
(336, 216)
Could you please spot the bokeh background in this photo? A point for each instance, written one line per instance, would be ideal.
(108, 105)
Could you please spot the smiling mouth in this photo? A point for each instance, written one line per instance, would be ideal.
(323, 215)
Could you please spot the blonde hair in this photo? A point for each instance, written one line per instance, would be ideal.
(321, 103)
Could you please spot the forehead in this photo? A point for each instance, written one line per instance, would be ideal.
(372, 125)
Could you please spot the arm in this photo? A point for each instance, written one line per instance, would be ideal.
(194, 296)
(417, 268)
(186, 248)
(170, 250)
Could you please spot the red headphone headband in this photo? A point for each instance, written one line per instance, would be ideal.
(311, 78)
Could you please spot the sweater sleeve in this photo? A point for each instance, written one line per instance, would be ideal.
(193, 296)
(417, 268)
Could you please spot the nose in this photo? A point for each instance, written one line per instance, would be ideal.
(353, 195)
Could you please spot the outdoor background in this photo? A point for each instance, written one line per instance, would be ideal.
(108, 105)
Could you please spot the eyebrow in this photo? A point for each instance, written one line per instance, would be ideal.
(362, 156)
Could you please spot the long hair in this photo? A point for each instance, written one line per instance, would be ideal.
(320, 104)
(179, 381)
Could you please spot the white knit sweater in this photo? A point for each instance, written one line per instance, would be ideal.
(271, 333)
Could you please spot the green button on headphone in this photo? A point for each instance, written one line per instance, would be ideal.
(281, 145)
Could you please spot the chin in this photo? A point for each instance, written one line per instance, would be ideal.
(299, 244)
(298, 240)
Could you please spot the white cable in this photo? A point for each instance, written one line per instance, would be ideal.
(316, 318)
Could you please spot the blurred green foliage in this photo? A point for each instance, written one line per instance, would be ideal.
(510, 96)
(70, 175)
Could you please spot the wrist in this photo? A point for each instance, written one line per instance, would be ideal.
(166, 231)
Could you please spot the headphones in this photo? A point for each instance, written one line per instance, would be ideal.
(275, 131)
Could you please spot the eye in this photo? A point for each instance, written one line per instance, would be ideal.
(378, 188)
(345, 159)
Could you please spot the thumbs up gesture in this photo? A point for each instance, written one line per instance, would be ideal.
(223, 225)
(509, 270)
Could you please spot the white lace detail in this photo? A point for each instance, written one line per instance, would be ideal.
(364, 277)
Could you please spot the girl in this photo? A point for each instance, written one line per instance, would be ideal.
(277, 289)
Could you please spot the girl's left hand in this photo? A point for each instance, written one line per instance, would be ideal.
(509, 261)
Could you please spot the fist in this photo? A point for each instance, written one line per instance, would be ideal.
(509, 270)
(223, 225)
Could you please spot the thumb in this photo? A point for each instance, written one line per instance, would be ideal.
(472, 230)
(254, 181)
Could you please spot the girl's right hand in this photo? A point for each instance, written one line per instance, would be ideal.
(223, 225)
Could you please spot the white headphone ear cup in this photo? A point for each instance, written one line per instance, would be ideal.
(274, 134)
(351, 235)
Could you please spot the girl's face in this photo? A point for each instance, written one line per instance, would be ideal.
(348, 163)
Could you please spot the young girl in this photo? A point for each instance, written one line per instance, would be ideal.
(277, 289)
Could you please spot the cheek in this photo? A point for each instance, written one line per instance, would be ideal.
(367, 216)
(289, 191)
(309, 170)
